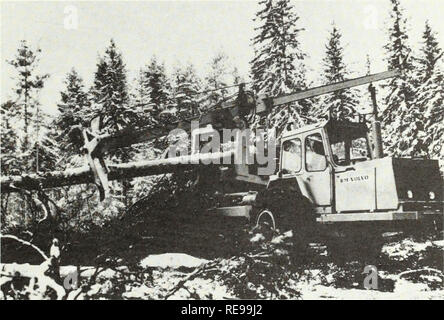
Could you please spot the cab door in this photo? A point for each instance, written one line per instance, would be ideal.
(315, 179)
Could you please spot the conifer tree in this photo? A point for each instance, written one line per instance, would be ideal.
(430, 54)
(187, 86)
(403, 121)
(8, 155)
(217, 79)
(111, 102)
(141, 98)
(159, 87)
(431, 99)
(278, 65)
(429, 96)
(341, 104)
(29, 83)
(110, 92)
(74, 108)
(45, 151)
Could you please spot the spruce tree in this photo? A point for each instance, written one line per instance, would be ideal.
(110, 92)
(111, 102)
(73, 111)
(141, 98)
(278, 65)
(430, 54)
(431, 99)
(403, 121)
(430, 92)
(187, 86)
(159, 87)
(45, 151)
(341, 104)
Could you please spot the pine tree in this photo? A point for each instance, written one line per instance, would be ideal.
(187, 86)
(29, 83)
(73, 110)
(278, 67)
(430, 92)
(403, 121)
(341, 104)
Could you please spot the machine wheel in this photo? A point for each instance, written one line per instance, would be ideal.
(265, 224)
(291, 210)
(283, 209)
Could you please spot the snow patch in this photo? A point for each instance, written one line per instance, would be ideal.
(172, 260)
(406, 248)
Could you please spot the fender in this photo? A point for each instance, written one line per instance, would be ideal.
(290, 184)
(277, 190)
(284, 199)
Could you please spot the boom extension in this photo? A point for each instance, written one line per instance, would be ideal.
(265, 104)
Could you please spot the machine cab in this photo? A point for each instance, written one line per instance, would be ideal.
(315, 154)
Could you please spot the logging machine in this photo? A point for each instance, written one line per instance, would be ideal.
(331, 172)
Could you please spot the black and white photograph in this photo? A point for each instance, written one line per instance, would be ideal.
(238, 151)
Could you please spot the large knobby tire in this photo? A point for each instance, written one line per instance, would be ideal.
(290, 209)
(265, 225)
(286, 210)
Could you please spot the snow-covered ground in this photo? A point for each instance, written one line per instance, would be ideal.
(406, 269)
(415, 282)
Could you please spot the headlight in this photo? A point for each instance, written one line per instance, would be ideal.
(410, 194)
(432, 195)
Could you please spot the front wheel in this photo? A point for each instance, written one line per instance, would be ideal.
(265, 226)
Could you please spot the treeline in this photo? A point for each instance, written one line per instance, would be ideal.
(412, 106)
(32, 141)
(36, 142)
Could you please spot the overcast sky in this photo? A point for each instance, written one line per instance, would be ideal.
(188, 31)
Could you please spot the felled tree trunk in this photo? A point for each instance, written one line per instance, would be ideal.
(128, 170)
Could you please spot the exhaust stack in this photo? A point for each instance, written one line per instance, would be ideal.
(375, 127)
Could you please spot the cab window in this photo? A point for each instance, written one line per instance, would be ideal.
(359, 150)
(315, 159)
(291, 156)
(350, 151)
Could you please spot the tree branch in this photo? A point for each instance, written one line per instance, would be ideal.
(29, 244)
